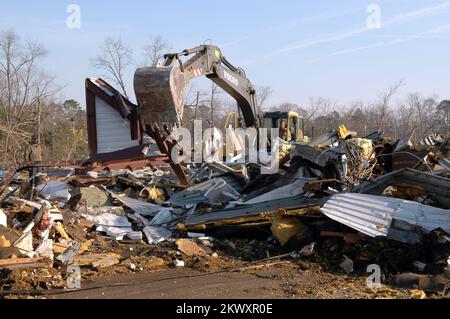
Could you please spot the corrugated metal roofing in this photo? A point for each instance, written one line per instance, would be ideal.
(286, 191)
(373, 215)
(233, 181)
(139, 206)
(199, 193)
(445, 162)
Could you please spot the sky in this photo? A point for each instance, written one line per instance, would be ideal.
(341, 50)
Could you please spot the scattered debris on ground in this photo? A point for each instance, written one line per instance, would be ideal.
(339, 204)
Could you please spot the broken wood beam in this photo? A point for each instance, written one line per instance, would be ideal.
(19, 261)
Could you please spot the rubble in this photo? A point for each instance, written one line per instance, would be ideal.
(156, 234)
(378, 216)
(97, 260)
(115, 226)
(4, 243)
(347, 265)
(54, 190)
(179, 263)
(339, 201)
(190, 248)
(3, 218)
(308, 250)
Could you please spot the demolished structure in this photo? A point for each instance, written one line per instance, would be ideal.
(337, 188)
(346, 201)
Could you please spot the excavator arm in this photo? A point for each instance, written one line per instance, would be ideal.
(160, 90)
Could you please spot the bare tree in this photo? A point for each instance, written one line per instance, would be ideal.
(114, 60)
(155, 50)
(194, 105)
(285, 107)
(320, 107)
(23, 90)
(263, 93)
(215, 103)
(383, 105)
(354, 117)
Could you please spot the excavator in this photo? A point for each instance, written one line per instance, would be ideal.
(160, 90)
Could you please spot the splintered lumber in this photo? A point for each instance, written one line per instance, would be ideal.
(19, 261)
(97, 260)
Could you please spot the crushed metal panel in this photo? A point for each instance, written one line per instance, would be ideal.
(373, 215)
(436, 186)
(286, 191)
(405, 141)
(239, 172)
(156, 234)
(139, 206)
(115, 226)
(325, 139)
(375, 136)
(212, 191)
(233, 181)
(54, 190)
(309, 153)
(445, 163)
(408, 158)
(293, 203)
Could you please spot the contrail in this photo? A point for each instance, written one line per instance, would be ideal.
(349, 34)
(421, 35)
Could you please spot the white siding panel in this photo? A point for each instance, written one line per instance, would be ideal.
(113, 132)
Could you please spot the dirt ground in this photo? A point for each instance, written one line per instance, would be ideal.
(284, 280)
(279, 279)
(230, 270)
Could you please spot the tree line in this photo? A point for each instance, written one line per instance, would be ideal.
(29, 103)
(423, 115)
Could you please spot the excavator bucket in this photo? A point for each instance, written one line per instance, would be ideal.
(159, 92)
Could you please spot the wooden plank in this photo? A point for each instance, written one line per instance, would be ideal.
(18, 261)
(31, 265)
(94, 258)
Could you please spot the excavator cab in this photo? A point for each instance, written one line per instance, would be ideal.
(292, 131)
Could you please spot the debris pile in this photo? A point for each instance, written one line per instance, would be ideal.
(343, 201)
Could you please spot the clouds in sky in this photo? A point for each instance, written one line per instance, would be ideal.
(396, 40)
(335, 37)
